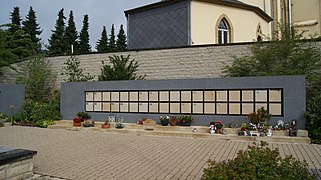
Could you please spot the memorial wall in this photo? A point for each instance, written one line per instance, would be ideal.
(209, 99)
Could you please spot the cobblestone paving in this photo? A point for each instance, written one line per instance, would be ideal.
(101, 155)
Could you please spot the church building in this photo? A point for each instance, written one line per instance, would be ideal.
(176, 23)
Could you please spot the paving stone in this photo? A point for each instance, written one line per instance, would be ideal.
(64, 154)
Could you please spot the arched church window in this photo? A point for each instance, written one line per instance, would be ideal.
(259, 33)
(224, 32)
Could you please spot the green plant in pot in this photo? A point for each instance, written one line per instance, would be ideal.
(106, 125)
(164, 120)
(185, 120)
(83, 116)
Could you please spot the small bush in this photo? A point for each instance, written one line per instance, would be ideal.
(258, 162)
(313, 118)
(37, 114)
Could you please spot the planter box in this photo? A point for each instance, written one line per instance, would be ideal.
(149, 125)
(185, 123)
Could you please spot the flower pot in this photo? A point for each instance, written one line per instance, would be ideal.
(212, 131)
(186, 123)
(165, 122)
(105, 126)
(219, 131)
(173, 123)
(77, 124)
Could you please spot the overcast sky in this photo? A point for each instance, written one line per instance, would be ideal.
(101, 13)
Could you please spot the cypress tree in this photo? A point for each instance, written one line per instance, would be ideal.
(31, 27)
(57, 44)
(102, 44)
(84, 45)
(121, 39)
(71, 34)
(15, 20)
(112, 42)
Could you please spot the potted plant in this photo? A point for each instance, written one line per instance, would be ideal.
(3, 119)
(212, 129)
(106, 125)
(259, 121)
(185, 120)
(89, 123)
(218, 125)
(77, 121)
(164, 120)
(83, 116)
(173, 121)
(149, 124)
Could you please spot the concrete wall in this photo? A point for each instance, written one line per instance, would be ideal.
(11, 94)
(175, 63)
(294, 98)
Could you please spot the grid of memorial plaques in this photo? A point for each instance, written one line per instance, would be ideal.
(209, 102)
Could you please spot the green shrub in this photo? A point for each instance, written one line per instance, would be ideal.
(258, 162)
(313, 118)
(37, 114)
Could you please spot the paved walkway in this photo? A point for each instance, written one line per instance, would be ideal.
(100, 155)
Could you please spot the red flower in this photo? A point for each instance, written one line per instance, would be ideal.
(77, 120)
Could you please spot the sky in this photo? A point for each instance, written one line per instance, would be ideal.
(101, 13)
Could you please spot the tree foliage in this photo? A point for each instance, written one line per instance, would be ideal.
(74, 72)
(121, 44)
(57, 43)
(287, 55)
(38, 77)
(71, 34)
(31, 27)
(258, 162)
(102, 44)
(313, 117)
(15, 20)
(84, 46)
(120, 68)
(112, 40)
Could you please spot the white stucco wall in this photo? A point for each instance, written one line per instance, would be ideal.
(204, 17)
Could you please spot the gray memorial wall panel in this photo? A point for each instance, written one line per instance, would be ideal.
(226, 99)
(11, 98)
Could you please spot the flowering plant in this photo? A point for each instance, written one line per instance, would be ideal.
(164, 118)
(218, 124)
(77, 120)
(212, 127)
(183, 119)
(261, 116)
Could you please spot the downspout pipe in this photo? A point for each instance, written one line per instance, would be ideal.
(290, 15)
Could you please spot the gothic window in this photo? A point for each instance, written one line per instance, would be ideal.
(224, 32)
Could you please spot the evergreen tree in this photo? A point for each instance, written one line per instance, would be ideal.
(120, 68)
(15, 20)
(57, 44)
(74, 72)
(121, 39)
(6, 55)
(84, 46)
(112, 42)
(71, 34)
(31, 27)
(102, 44)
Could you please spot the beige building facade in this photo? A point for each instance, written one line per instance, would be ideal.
(175, 23)
(301, 15)
(240, 23)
